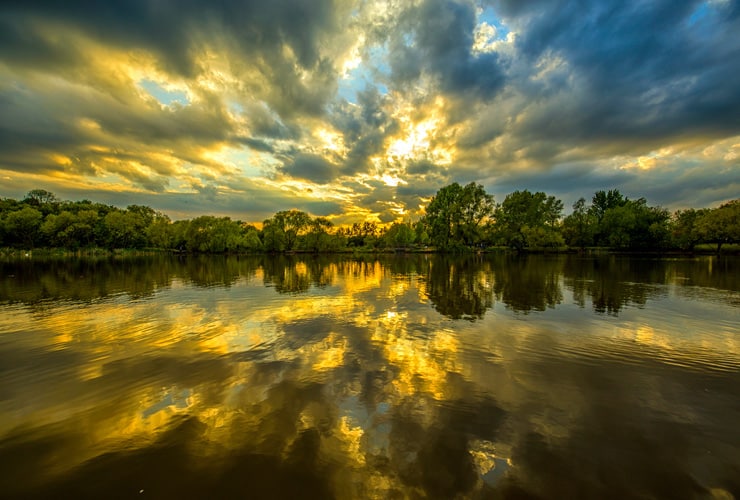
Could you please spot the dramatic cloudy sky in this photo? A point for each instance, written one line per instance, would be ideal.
(364, 109)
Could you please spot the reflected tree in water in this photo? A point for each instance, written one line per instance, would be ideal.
(527, 283)
(611, 283)
(218, 270)
(289, 274)
(357, 403)
(459, 287)
(85, 280)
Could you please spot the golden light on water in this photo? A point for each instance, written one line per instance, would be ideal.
(350, 359)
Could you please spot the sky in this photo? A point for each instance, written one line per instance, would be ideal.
(362, 110)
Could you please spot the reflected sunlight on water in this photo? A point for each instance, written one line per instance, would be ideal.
(408, 376)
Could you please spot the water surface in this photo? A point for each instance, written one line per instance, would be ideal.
(396, 377)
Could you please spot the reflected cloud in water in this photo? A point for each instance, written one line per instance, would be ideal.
(410, 376)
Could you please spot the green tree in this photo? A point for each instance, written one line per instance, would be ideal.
(721, 225)
(579, 227)
(399, 235)
(214, 235)
(601, 202)
(526, 219)
(685, 232)
(635, 225)
(160, 232)
(45, 201)
(70, 230)
(420, 233)
(455, 215)
(251, 239)
(443, 215)
(273, 236)
(292, 224)
(318, 238)
(363, 234)
(40, 197)
(123, 229)
(58, 229)
(179, 231)
(22, 227)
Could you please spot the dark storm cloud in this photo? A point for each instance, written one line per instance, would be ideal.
(310, 167)
(577, 83)
(27, 126)
(642, 71)
(24, 43)
(436, 38)
(266, 123)
(256, 144)
(99, 132)
(277, 38)
(171, 28)
(364, 126)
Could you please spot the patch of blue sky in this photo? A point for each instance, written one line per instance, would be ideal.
(489, 16)
(700, 12)
(704, 18)
(360, 78)
(164, 96)
(236, 108)
(248, 162)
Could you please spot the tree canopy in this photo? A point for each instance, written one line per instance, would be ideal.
(457, 218)
(455, 215)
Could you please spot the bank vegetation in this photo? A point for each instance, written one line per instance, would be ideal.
(458, 219)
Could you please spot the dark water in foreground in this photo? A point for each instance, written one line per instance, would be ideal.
(407, 377)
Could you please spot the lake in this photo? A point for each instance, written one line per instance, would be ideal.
(409, 376)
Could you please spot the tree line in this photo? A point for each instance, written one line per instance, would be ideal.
(458, 218)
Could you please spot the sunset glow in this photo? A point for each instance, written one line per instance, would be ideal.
(362, 110)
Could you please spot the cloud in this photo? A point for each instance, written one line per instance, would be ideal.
(310, 167)
(641, 70)
(365, 127)
(557, 96)
(434, 39)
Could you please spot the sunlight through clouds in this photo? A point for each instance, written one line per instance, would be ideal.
(156, 103)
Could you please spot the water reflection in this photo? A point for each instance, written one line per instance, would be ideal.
(460, 288)
(409, 377)
(528, 283)
(290, 274)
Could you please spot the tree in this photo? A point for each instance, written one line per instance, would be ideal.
(318, 239)
(528, 219)
(604, 200)
(455, 214)
(214, 234)
(61, 230)
(22, 226)
(160, 231)
(635, 225)
(273, 236)
(601, 202)
(40, 197)
(251, 239)
(578, 227)
(121, 229)
(685, 232)
(363, 234)
(553, 210)
(721, 225)
(443, 215)
(291, 224)
(399, 235)
(421, 236)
